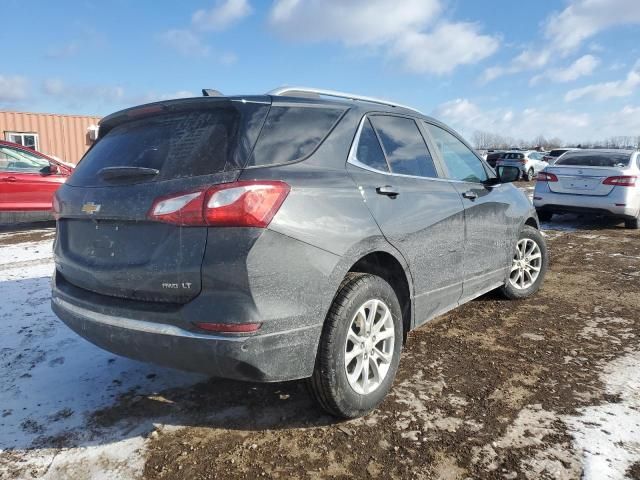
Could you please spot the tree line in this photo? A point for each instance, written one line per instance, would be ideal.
(488, 140)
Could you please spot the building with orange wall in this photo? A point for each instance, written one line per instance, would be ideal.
(66, 137)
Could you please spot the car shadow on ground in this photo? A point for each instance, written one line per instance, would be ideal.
(573, 222)
(57, 390)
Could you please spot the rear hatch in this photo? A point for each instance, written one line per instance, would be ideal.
(106, 242)
(584, 173)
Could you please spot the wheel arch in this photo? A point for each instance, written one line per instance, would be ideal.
(386, 266)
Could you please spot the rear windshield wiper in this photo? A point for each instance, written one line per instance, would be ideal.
(111, 173)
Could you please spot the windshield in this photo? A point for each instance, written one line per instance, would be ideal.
(14, 159)
(595, 159)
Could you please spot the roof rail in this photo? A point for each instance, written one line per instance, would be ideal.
(318, 92)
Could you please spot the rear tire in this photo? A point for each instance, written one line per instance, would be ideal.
(520, 282)
(530, 174)
(336, 384)
(633, 224)
(544, 216)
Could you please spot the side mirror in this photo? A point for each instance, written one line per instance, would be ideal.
(507, 174)
(51, 169)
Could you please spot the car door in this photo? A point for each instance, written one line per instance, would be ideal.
(489, 226)
(418, 213)
(23, 187)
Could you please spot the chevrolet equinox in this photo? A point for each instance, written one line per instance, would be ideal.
(299, 234)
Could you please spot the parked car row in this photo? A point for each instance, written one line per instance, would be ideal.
(594, 182)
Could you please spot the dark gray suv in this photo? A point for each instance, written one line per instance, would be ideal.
(299, 234)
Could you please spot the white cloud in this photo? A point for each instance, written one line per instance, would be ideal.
(221, 16)
(582, 19)
(467, 117)
(76, 95)
(63, 51)
(583, 66)
(529, 59)
(567, 30)
(185, 42)
(13, 88)
(407, 31)
(606, 90)
(354, 23)
(444, 48)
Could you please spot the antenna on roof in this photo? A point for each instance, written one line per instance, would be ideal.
(210, 92)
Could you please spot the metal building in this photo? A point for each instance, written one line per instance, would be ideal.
(64, 136)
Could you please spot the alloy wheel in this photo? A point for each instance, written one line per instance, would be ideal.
(369, 346)
(526, 264)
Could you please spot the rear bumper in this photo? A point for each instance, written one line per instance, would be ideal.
(262, 358)
(288, 293)
(547, 201)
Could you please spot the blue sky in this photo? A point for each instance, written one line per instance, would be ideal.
(560, 68)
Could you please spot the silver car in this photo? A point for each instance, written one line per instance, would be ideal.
(599, 182)
(529, 162)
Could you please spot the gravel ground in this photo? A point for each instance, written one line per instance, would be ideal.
(547, 387)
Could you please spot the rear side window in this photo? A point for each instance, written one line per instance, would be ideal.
(181, 144)
(404, 146)
(292, 133)
(369, 150)
(461, 162)
(594, 159)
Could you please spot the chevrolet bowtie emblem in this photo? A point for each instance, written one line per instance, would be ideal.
(91, 208)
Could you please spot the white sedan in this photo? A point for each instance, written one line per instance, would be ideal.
(598, 182)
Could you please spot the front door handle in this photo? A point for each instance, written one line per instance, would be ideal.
(471, 195)
(387, 190)
(10, 179)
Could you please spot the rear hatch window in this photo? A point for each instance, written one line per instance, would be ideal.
(556, 153)
(177, 144)
(513, 156)
(591, 159)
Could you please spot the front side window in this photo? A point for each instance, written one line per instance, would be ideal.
(25, 139)
(14, 160)
(405, 149)
(369, 150)
(459, 159)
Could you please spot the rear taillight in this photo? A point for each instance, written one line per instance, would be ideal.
(522, 161)
(622, 181)
(237, 204)
(547, 177)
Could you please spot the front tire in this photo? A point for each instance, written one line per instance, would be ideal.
(529, 265)
(360, 347)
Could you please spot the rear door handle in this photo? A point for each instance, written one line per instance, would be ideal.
(471, 195)
(10, 179)
(387, 190)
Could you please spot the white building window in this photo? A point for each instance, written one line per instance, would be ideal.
(27, 139)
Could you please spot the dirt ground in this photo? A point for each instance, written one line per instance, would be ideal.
(480, 394)
(493, 390)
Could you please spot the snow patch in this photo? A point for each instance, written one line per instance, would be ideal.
(609, 435)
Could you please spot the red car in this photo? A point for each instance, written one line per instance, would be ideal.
(28, 180)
